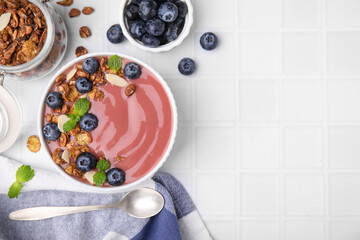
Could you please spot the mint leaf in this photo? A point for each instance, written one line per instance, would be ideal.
(71, 124)
(15, 190)
(82, 105)
(24, 174)
(71, 115)
(115, 63)
(103, 165)
(99, 178)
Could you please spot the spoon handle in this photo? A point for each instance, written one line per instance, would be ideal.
(39, 213)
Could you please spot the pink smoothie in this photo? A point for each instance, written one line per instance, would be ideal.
(137, 128)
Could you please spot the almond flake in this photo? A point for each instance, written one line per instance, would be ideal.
(83, 96)
(89, 176)
(61, 121)
(116, 80)
(4, 20)
(71, 74)
(66, 155)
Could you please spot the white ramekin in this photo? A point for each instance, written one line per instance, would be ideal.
(121, 188)
(189, 19)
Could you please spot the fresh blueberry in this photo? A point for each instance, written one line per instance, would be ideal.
(182, 7)
(137, 28)
(168, 12)
(115, 177)
(173, 30)
(83, 85)
(51, 131)
(132, 71)
(85, 162)
(137, 2)
(186, 66)
(208, 41)
(132, 11)
(155, 27)
(150, 41)
(88, 122)
(54, 100)
(90, 65)
(115, 34)
(147, 9)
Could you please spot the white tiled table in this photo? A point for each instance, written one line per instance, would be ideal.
(269, 134)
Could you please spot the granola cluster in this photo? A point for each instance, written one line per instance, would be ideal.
(24, 35)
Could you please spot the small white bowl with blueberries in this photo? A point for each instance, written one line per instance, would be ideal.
(156, 25)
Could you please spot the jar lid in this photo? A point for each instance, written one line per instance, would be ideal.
(10, 118)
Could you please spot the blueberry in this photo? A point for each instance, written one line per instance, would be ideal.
(182, 7)
(115, 176)
(208, 41)
(83, 85)
(150, 40)
(173, 30)
(137, 28)
(147, 9)
(90, 65)
(137, 2)
(155, 27)
(168, 12)
(132, 70)
(88, 122)
(85, 162)
(54, 100)
(132, 11)
(51, 131)
(186, 66)
(115, 34)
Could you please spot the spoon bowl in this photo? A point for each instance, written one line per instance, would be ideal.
(139, 203)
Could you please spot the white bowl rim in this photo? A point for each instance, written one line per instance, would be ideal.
(131, 185)
(162, 48)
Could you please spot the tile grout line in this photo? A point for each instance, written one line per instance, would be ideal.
(237, 128)
(326, 201)
(280, 126)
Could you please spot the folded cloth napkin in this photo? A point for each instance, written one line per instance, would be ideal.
(178, 220)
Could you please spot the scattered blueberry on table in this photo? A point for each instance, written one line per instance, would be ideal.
(54, 100)
(51, 131)
(186, 66)
(115, 176)
(88, 122)
(208, 41)
(115, 34)
(86, 161)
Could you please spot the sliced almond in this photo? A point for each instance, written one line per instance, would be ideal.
(66, 156)
(71, 74)
(89, 176)
(4, 20)
(116, 80)
(83, 96)
(61, 121)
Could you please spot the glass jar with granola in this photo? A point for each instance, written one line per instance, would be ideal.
(33, 38)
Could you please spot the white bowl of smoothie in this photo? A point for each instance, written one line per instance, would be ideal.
(136, 126)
